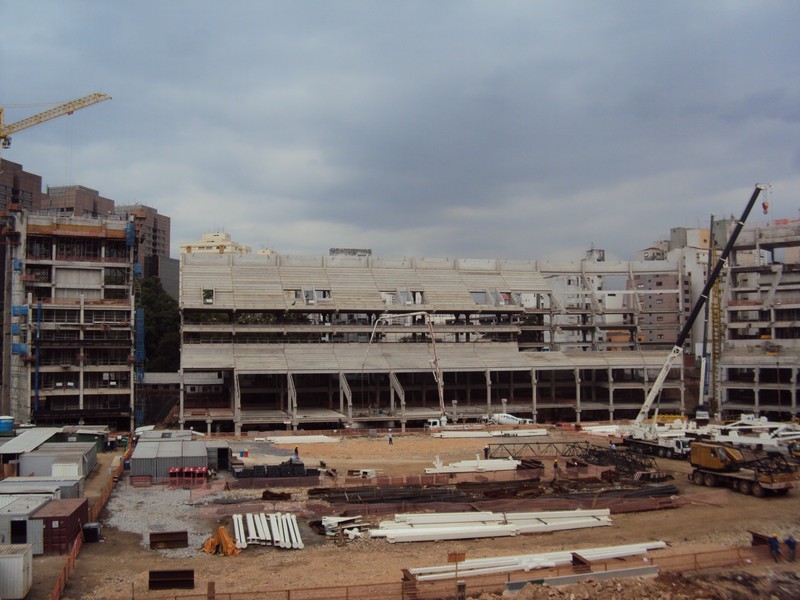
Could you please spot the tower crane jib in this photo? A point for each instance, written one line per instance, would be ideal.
(57, 111)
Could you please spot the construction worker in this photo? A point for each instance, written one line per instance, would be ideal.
(775, 547)
(791, 544)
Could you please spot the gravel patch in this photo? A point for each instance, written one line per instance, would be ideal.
(159, 509)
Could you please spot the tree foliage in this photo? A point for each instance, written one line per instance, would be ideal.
(162, 339)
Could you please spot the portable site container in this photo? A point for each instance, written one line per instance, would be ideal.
(185, 435)
(16, 571)
(51, 490)
(62, 521)
(155, 458)
(41, 461)
(219, 455)
(70, 487)
(87, 449)
(16, 526)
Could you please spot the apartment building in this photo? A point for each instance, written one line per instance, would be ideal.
(359, 340)
(75, 201)
(153, 238)
(153, 230)
(218, 242)
(19, 187)
(72, 325)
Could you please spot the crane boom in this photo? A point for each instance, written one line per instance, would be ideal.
(63, 109)
(677, 350)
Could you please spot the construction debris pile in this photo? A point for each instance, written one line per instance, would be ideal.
(341, 527)
(462, 526)
(725, 585)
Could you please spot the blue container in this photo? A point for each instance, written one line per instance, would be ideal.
(6, 424)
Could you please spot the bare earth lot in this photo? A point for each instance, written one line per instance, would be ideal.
(118, 566)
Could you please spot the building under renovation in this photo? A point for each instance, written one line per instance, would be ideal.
(355, 340)
(758, 309)
(71, 359)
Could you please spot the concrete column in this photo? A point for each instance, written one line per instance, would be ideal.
(577, 395)
(181, 417)
(488, 377)
(756, 391)
(610, 394)
(534, 397)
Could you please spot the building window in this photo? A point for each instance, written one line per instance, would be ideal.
(208, 296)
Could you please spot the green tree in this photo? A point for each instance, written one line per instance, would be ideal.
(162, 339)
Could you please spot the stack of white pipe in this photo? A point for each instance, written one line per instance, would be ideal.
(527, 562)
(460, 526)
(276, 529)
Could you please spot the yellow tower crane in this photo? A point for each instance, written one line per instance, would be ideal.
(57, 111)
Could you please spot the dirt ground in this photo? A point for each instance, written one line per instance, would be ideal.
(118, 566)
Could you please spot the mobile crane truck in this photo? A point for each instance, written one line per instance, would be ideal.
(672, 444)
(747, 472)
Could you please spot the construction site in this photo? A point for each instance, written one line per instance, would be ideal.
(343, 425)
(462, 515)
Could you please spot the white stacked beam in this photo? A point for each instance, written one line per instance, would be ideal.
(238, 532)
(264, 521)
(519, 433)
(528, 562)
(478, 465)
(277, 529)
(487, 434)
(459, 526)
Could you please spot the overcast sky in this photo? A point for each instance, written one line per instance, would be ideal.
(439, 128)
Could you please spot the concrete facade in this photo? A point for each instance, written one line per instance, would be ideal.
(72, 321)
(305, 341)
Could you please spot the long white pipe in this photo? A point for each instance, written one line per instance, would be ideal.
(238, 531)
(265, 526)
(277, 534)
(252, 534)
(296, 527)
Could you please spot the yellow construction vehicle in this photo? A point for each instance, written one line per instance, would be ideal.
(746, 471)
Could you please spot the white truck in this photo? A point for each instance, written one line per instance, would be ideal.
(506, 419)
(664, 446)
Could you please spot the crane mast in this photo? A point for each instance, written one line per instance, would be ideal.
(677, 350)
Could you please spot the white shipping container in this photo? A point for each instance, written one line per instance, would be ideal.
(16, 571)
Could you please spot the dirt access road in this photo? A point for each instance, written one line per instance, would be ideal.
(117, 567)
